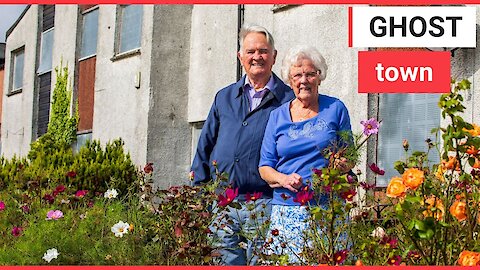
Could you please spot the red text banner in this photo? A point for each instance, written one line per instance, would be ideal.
(403, 72)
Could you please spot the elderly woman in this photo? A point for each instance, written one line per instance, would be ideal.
(295, 136)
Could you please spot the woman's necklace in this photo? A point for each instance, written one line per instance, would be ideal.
(304, 117)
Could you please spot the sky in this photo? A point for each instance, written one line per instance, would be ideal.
(8, 15)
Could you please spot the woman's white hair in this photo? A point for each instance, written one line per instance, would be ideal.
(299, 53)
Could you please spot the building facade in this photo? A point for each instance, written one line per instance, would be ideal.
(148, 74)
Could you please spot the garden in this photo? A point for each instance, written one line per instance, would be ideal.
(95, 207)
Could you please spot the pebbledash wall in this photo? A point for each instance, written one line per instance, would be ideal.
(157, 99)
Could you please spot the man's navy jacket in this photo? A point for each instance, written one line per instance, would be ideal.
(232, 135)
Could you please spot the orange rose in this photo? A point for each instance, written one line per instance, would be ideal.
(475, 131)
(439, 211)
(471, 150)
(396, 188)
(469, 258)
(458, 210)
(451, 164)
(413, 178)
(476, 165)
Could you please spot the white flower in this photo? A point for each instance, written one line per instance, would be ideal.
(111, 193)
(50, 254)
(120, 228)
(379, 232)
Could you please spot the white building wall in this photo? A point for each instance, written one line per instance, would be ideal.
(64, 40)
(213, 56)
(121, 110)
(17, 109)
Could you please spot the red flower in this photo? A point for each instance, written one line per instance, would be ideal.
(81, 193)
(2, 206)
(275, 232)
(191, 175)
(17, 231)
(49, 198)
(148, 169)
(391, 242)
(284, 196)
(230, 194)
(376, 170)
(340, 256)
(317, 172)
(71, 174)
(348, 195)
(367, 186)
(253, 197)
(413, 254)
(303, 197)
(395, 260)
(60, 188)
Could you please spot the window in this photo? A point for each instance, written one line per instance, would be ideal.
(17, 70)
(89, 34)
(129, 28)
(46, 49)
(405, 116)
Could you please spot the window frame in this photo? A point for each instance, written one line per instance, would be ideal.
(42, 44)
(118, 54)
(13, 73)
(84, 14)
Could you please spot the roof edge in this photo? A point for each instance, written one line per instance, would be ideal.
(10, 30)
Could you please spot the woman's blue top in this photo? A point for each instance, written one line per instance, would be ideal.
(296, 147)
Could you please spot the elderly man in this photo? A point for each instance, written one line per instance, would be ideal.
(232, 136)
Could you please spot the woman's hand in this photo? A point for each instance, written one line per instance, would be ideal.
(276, 179)
(292, 182)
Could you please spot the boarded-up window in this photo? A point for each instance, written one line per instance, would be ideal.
(86, 69)
(44, 103)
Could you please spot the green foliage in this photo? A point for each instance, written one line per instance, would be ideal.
(95, 166)
(63, 125)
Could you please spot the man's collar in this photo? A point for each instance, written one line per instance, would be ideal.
(271, 85)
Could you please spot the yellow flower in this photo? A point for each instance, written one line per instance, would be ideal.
(413, 178)
(439, 211)
(439, 173)
(475, 131)
(469, 258)
(458, 210)
(396, 188)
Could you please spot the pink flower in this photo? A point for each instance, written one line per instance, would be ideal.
(376, 169)
(191, 175)
(253, 197)
(370, 126)
(2, 206)
(230, 194)
(81, 193)
(17, 231)
(54, 214)
(71, 174)
(25, 208)
(303, 197)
